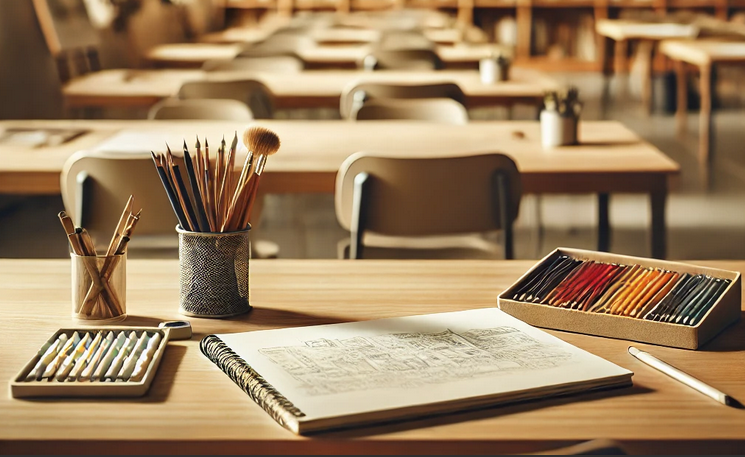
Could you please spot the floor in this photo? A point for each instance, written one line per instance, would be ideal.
(705, 220)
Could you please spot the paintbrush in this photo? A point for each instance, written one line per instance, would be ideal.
(178, 184)
(193, 182)
(263, 142)
(169, 191)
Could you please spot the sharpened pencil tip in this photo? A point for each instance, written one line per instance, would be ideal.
(729, 401)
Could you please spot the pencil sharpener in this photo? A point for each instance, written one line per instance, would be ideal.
(180, 330)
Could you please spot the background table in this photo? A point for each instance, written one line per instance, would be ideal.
(623, 32)
(307, 89)
(704, 54)
(193, 55)
(610, 158)
(192, 407)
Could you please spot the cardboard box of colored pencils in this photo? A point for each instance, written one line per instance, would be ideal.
(652, 309)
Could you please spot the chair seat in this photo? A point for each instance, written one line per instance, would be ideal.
(449, 247)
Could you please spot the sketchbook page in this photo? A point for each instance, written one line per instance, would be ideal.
(361, 367)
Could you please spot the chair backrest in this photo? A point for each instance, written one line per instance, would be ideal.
(281, 44)
(279, 63)
(96, 186)
(401, 59)
(404, 39)
(445, 110)
(419, 196)
(201, 108)
(251, 92)
(356, 94)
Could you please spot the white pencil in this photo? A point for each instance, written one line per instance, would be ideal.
(685, 378)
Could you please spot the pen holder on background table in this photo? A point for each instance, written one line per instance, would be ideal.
(99, 287)
(494, 69)
(214, 272)
(558, 129)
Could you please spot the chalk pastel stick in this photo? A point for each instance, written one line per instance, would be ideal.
(144, 361)
(89, 369)
(116, 364)
(111, 353)
(47, 353)
(62, 356)
(129, 364)
(83, 361)
(74, 356)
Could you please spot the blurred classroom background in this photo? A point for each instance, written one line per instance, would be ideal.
(625, 78)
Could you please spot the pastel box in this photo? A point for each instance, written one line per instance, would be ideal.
(724, 312)
(20, 388)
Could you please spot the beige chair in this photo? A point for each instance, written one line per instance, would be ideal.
(404, 39)
(282, 44)
(253, 93)
(96, 186)
(279, 63)
(201, 108)
(418, 203)
(356, 94)
(401, 59)
(444, 110)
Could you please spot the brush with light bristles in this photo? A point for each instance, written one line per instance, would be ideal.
(261, 143)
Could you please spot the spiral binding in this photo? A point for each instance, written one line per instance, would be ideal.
(262, 392)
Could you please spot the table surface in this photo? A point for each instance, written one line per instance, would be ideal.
(623, 29)
(198, 53)
(193, 407)
(704, 52)
(324, 35)
(123, 87)
(610, 156)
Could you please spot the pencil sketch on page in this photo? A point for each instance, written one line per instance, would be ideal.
(412, 360)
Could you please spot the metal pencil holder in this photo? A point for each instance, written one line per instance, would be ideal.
(214, 271)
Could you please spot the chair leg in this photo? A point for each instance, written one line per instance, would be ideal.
(359, 214)
(502, 190)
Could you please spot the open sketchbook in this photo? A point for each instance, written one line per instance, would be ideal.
(339, 375)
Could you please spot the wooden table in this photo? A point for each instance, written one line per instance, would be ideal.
(122, 88)
(624, 31)
(610, 159)
(193, 55)
(703, 54)
(327, 36)
(192, 407)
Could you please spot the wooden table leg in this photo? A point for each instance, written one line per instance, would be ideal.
(705, 116)
(603, 222)
(607, 68)
(647, 48)
(681, 110)
(621, 51)
(658, 200)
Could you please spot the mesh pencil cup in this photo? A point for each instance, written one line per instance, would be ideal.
(213, 269)
(99, 287)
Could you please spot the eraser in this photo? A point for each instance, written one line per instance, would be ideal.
(179, 330)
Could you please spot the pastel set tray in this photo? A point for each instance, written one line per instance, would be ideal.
(93, 362)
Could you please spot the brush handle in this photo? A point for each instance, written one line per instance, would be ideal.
(186, 200)
(251, 199)
(172, 198)
(198, 203)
